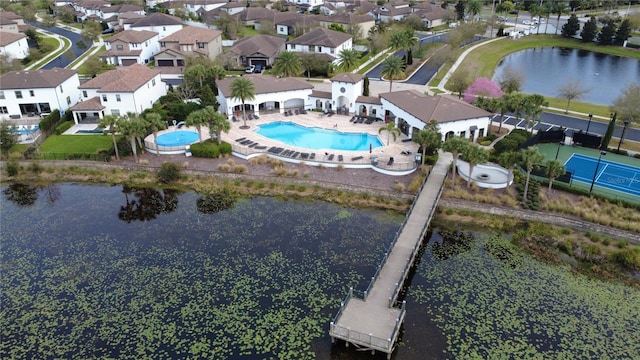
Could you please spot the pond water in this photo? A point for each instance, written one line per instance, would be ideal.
(144, 273)
(547, 69)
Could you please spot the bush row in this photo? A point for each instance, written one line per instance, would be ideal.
(210, 149)
(512, 141)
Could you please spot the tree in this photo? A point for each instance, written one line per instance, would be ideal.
(607, 34)
(355, 30)
(65, 14)
(337, 27)
(511, 80)
(589, 30)
(624, 32)
(156, 124)
(217, 123)
(47, 20)
(508, 159)
(529, 158)
(429, 139)
(474, 7)
(627, 104)
(391, 129)
(33, 37)
(559, 8)
(195, 74)
(111, 122)
(243, 89)
(460, 7)
(198, 119)
(287, 64)
(554, 169)
(365, 86)
(533, 109)
(8, 136)
(609, 133)
(459, 82)
(571, 28)
(455, 145)
(348, 59)
(482, 87)
(572, 89)
(91, 30)
(474, 155)
(392, 69)
(311, 62)
(92, 66)
(132, 126)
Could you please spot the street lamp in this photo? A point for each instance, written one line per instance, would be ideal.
(589, 123)
(561, 143)
(602, 153)
(626, 123)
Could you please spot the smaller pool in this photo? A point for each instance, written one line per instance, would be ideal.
(177, 138)
(316, 138)
(25, 129)
(94, 131)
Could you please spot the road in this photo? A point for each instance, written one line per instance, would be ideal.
(64, 60)
(554, 121)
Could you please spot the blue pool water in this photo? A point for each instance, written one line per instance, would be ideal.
(177, 138)
(315, 138)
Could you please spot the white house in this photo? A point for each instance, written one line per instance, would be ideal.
(131, 47)
(117, 92)
(88, 8)
(32, 92)
(114, 11)
(10, 22)
(272, 94)
(163, 24)
(192, 6)
(13, 45)
(321, 41)
(392, 11)
(309, 4)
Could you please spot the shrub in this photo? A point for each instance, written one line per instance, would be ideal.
(12, 168)
(622, 244)
(399, 187)
(169, 172)
(35, 168)
(60, 129)
(505, 145)
(49, 121)
(628, 258)
(225, 148)
(207, 149)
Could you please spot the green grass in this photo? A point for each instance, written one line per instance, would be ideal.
(582, 107)
(46, 59)
(85, 55)
(81, 144)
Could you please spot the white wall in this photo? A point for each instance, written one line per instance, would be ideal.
(227, 105)
(352, 91)
(55, 97)
(335, 52)
(135, 102)
(16, 50)
(163, 31)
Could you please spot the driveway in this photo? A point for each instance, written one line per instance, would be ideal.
(64, 60)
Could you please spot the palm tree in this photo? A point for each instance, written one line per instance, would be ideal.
(547, 9)
(410, 41)
(392, 68)
(428, 138)
(517, 7)
(198, 118)
(529, 158)
(155, 122)
(287, 64)
(348, 60)
(391, 129)
(243, 89)
(533, 108)
(455, 145)
(508, 159)
(554, 169)
(559, 8)
(474, 7)
(111, 121)
(132, 126)
(474, 155)
(196, 72)
(217, 122)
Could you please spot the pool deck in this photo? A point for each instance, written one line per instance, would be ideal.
(336, 122)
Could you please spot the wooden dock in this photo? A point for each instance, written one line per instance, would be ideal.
(372, 319)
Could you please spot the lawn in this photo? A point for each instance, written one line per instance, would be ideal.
(77, 144)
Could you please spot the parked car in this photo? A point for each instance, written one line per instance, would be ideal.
(250, 69)
(526, 22)
(258, 69)
(107, 31)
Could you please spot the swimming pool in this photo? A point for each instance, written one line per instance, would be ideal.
(316, 138)
(177, 138)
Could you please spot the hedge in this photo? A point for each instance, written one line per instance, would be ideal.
(210, 149)
(60, 129)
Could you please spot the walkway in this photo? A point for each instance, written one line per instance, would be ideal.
(372, 321)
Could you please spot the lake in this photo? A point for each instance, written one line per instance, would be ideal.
(547, 69)
(112, 271)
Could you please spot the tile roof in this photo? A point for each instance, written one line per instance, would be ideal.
(91, 4)
(158, 19)
(256, 13)
(114, 52)
(348, 77)
(321, 94)
(191, 34)
(120, 8)
(133, 36)
(9, 15)
(267, 45)
(88, 105)
(347, 18)
(441, 108)
(125, 79)
(265, 84)
(369, 100)
(322, 37)
(7, 38)
(34, 79)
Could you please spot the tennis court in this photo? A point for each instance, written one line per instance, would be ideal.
(610, 175)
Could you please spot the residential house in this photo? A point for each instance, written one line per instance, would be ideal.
(431, 15)
(272, 94)
(87, 9)
(321, 41)
(193, 6)
(392, 11)
(32, 92)
(131, 47)
(188, 42)
(163, 24)
(125, 20)
(252, 16)
(113, 11)
(308, 4)
(13, 45)
(291, 23)
(257, 50)
(365, 22)
(130, 89)
(10, 22)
